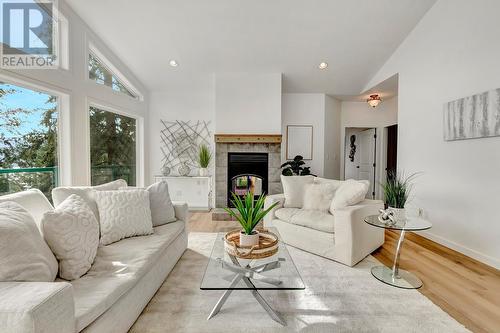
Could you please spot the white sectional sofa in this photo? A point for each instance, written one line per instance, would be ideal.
(342, 236)
(123, 278)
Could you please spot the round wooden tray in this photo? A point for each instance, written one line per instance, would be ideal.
(268, 245)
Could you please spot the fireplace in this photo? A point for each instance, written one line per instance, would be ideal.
(247, 172)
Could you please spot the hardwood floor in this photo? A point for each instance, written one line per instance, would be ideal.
(466, 289)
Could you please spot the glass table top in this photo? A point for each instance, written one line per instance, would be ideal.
(411, 223)
(225, 272)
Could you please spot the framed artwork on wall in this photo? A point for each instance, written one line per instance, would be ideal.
(299, 141)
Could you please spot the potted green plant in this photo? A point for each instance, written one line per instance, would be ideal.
(397, 190)
(295, 167)
(249, 213)
(204, 157)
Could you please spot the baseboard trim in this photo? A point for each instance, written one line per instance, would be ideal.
(485, 259)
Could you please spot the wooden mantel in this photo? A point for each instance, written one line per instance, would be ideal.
(248, 138)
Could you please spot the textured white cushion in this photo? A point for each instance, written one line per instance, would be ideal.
(123, 214)
(24, 255)
(319, 196)
(162, 209)
(72, 232)
(59, 194)
(313, 219)
(293, 189)
(350, 193)
(334, 182)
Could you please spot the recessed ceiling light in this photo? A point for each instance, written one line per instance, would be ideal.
(323, 65)
(173, 63)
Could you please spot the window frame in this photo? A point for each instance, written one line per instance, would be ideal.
(91, 49)
(63, 123)
(139, 137)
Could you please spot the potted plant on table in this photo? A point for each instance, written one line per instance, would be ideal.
(204, 157)
(249, 213)
(397, 190)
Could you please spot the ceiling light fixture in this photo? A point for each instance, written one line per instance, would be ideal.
(173, 63)
(323, 65)
(374, 100)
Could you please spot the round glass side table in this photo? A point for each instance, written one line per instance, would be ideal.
(395, 276)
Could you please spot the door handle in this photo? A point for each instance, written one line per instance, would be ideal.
(357, 167)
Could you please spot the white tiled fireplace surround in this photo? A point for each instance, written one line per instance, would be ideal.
(221, 153)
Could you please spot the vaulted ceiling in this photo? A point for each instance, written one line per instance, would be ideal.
(355, 38)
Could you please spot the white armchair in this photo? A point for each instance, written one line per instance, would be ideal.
(351, 240)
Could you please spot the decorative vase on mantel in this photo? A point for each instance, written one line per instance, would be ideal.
(249, 240)
(184, 170)
(165, 171)
(203, 172)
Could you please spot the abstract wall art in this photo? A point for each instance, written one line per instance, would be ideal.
(476, 116)
(180, 142)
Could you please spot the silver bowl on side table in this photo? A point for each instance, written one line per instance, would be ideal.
(395, 276)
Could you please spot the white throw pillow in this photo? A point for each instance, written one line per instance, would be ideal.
(319, 196)
(24, 255)
(59, 194)
(293, 190)
(72, 232)
(351, 192)
(123, 214)
(162, 209)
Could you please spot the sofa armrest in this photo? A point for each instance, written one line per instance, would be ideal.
(354, 238)
(271, 199)
(181, 210)
(33, 307)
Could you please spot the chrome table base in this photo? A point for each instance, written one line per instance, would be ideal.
(245, 273)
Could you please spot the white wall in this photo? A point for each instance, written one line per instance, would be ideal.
(332, 138)
(452, 53)
(361, 115)
(306, 109)
(76, 92)
(248, 103)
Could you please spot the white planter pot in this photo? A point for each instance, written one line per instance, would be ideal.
(249, 240)
(203, 172)
(398, 213)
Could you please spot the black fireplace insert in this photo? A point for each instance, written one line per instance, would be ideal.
(246, 172)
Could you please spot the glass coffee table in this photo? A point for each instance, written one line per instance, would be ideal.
(395, 276)
(229, 273)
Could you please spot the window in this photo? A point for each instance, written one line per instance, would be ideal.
(99, 73)
(28, 140)
(112, 147)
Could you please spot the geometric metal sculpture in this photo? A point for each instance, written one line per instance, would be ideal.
(180, 142)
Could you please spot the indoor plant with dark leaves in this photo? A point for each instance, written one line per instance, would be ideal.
(295, 167)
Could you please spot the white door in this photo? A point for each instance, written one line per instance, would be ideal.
(366, 160)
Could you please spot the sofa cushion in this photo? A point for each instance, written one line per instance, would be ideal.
(34, 201)
(334, 182)
(350, 193)
(72, 232)
(313, 219)
(59, 194)
(318, 196)
(293, 189)
(24, 255)
(116, 269)
(123, 214)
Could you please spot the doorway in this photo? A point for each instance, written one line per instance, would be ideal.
(360, 155)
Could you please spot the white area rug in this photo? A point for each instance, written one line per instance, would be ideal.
(337, 298)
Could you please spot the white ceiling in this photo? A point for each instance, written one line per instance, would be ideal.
(291, 37)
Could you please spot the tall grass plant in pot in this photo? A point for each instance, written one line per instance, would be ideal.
(204, 158)
(397, 190)
(249, 213)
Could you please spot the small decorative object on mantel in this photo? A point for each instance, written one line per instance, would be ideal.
(184, 169)
(295, 167)
(204, 157)
(249, 213)
(266, 247)
(397, 190)
(476, 116)
(165, 171)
